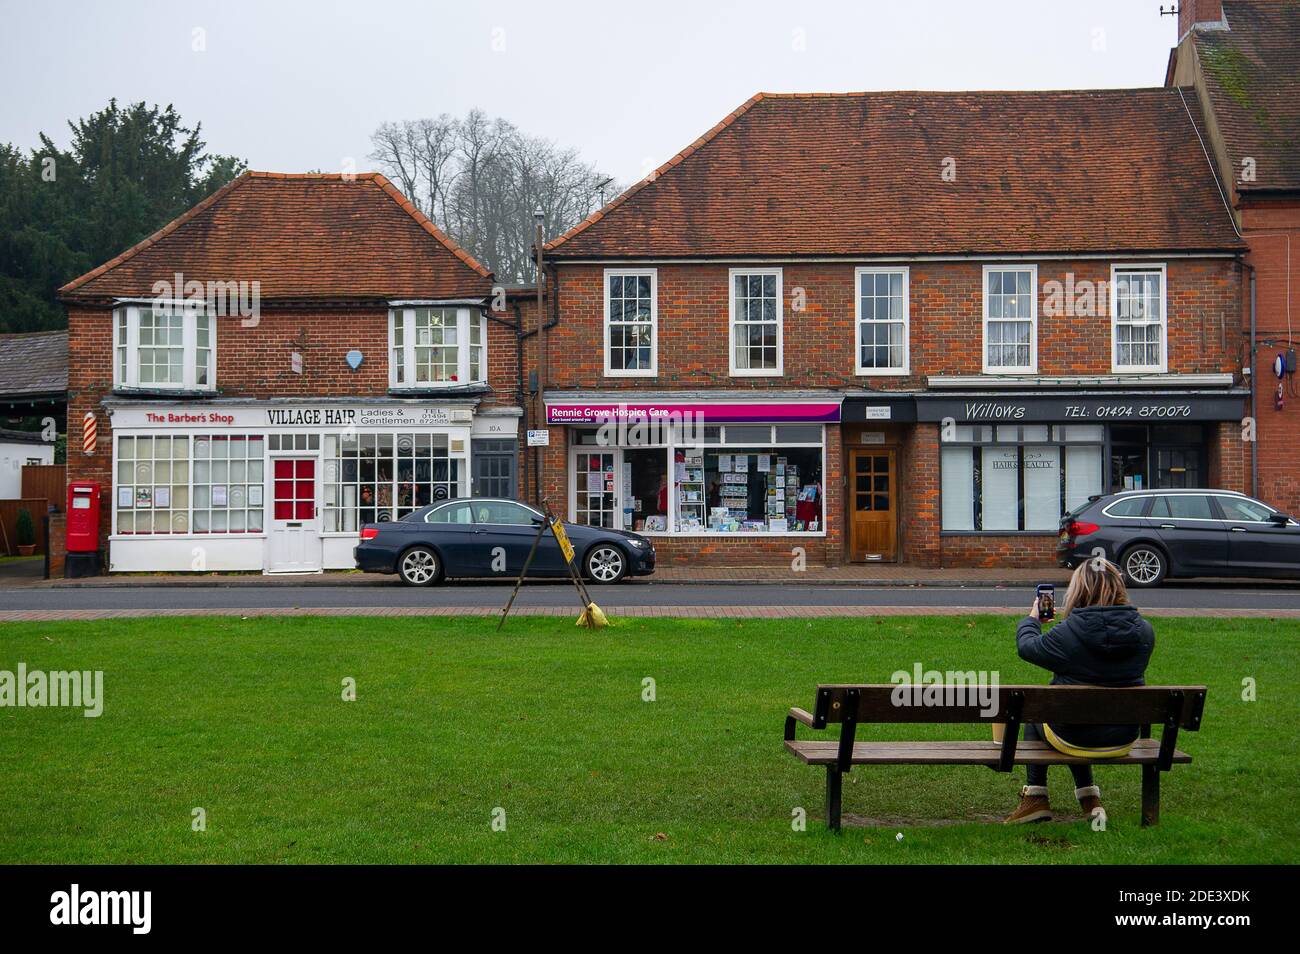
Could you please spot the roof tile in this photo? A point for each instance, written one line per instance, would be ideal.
(861, 174)
(301, 236)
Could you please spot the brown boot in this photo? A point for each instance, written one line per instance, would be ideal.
(1033, 806)
(1090, 801)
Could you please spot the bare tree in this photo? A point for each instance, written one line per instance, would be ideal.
(481, 179)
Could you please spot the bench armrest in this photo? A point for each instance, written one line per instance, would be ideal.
(797, 715)
(801, 716)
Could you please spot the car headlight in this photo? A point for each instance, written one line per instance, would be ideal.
(634, 542)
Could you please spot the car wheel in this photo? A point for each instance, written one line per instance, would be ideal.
(606, 563)
(1144, 565)
(419, 566)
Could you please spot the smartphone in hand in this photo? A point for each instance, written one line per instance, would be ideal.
(1046, 602)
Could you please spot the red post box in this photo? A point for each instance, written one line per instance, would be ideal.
(83, 516)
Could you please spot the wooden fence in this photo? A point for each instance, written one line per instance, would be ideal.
(46, 480)
(9, 520)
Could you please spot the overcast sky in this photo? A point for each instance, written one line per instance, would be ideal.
(292, 86)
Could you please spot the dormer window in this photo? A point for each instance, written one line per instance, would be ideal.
(164, 347)
(436, 347)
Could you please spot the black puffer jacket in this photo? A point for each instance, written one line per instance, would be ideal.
(1093, 646)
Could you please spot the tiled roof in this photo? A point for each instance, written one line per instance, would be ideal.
(310, 236)
(33, 364)
(862, 174)
(1252, 73)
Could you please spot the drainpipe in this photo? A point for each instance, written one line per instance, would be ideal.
(1254, 409)
(538, 218)
(521, 394)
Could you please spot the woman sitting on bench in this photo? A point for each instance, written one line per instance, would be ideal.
(1103, 641)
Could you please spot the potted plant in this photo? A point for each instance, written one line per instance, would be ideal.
(26, 533)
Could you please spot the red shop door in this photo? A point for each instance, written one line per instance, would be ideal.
(294, 543)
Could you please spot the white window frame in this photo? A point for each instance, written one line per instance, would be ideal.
(129, 377)
(734, 371)
(1163, 366)
(858, 367)
(653, 275)
(1033, 319)
(464, 320)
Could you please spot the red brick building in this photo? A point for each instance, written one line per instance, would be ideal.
(295, 356)
(898, 326)
(1240, 61)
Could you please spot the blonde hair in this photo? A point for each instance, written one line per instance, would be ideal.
(1095, 583)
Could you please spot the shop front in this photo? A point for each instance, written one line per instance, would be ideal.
(1011, 465)
(877, 429)
(708, 470)
(280, 486)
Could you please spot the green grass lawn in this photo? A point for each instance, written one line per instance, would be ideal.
(244, 718)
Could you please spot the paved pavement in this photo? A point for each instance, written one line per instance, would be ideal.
(637, 598)
(872, 574)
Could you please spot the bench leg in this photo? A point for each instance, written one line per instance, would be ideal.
(833, 781)
(1150, 795)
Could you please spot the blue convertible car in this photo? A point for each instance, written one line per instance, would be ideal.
(491, 537)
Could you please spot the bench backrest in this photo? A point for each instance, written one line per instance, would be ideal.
(1070, 705)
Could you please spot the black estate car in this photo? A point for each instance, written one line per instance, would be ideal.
(1151, 534)
(491, 537)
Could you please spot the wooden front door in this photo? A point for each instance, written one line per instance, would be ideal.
(873, 489)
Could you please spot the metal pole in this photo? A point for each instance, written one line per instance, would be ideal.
(541, 354)
(1254, 408)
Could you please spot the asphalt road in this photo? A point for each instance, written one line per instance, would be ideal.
(492, 596)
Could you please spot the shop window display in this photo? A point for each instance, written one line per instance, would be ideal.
(737, 478)
(1018, 478)
(372, 478)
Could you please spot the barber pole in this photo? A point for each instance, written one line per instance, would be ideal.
(89, 434)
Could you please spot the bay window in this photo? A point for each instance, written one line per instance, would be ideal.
(1010, 319)
(436, 347)
(756, 318)
(164, 347)
(1012, 478)
(1138, 326)
(882, 320)
(631, 319)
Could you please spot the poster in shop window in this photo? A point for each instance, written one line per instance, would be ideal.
(724, 463)
(125, 498)
(162, 496)
(143, 497)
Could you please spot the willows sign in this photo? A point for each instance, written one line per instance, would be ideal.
(1076, 408)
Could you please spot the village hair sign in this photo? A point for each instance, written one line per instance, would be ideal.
(341, 417)
(1081, 408)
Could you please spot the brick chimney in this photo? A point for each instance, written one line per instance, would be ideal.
(1192, 12)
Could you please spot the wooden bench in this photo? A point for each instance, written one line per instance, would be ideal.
(1173, 707)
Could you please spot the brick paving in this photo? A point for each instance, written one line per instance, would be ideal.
(695, 612)
(880, 574)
